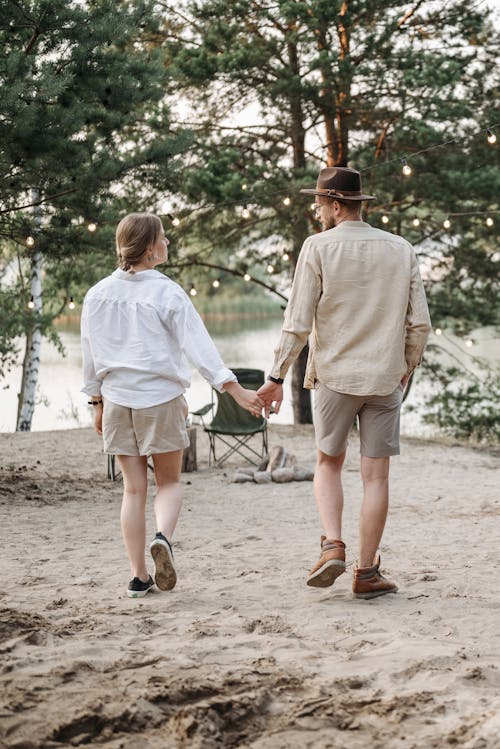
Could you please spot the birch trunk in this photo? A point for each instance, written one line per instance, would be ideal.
(31, 363)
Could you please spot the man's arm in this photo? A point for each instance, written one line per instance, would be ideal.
(418, 322)
(298, 322)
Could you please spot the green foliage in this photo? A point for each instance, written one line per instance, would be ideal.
(463, 405)
(363, 84)
(85, 132)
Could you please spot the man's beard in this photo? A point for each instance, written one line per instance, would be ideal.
(329, 223)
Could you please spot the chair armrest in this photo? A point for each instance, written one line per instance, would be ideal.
(202, 411)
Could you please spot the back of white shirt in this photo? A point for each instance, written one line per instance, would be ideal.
(137, 330)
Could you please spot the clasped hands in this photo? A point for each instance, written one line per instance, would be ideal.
(255, 401)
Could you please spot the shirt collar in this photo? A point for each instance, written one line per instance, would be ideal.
(141, 275)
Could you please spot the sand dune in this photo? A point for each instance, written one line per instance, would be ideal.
(242, 653)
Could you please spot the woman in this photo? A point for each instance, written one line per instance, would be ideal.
(137, 327)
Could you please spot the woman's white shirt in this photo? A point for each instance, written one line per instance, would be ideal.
(138, 330)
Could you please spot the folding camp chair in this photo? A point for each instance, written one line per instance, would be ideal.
(233, 426)
(113, 473)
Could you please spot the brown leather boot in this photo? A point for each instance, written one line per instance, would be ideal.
(369, 583)
(331, 564)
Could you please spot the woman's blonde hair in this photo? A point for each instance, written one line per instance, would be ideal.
(135, 234)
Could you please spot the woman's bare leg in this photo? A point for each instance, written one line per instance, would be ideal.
(133, 512)
(168, 500)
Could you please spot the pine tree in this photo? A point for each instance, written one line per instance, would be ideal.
(364, 83)
(84, 137)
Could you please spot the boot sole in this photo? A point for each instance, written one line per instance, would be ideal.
(374, 594)
(165, 575)
(327, 574)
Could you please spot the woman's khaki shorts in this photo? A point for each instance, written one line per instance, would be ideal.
(145, 431)
(378, 416)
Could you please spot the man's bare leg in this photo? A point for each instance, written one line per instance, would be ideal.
(329, 494)
(375, 475)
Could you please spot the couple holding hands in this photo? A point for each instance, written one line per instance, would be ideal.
(357, 290)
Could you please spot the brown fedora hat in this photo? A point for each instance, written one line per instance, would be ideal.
(339, 182)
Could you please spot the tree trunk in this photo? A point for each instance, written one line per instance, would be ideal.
(31, 363)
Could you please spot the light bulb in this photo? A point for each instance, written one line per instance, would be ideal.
(469, 342)
(447, 223)
(244, 186)
(270, 268)
(406, 167)
(416, 222)
(286, 256)
(286, 201)
(176, 221)
(385, 219)
(489, 221)
(31, 303)
(491, 137)
(216, 283)
(30, 241)
(71, 304)
(247, 277)
(245, 212)
(313, 207)
(438, 331)
(193, 291)
(92, 227)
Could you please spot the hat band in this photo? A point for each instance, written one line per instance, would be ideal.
(332, 192)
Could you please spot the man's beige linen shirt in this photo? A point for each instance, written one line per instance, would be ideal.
(357, 290)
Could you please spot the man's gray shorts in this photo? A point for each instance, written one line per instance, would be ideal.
(378, 417)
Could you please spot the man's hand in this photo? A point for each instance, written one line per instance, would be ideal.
(247, 399)
(271, 392)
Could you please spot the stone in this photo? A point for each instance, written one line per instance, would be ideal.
(262, 477)
(282, 475)
(302, 474)
(242, 478)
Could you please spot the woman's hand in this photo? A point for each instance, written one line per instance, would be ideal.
(98, 419)
(247, 399)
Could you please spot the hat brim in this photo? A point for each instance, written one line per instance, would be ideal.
(352, 198)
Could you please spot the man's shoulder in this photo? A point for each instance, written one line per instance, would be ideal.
(355, 231)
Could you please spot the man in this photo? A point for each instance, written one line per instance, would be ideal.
(357, 290)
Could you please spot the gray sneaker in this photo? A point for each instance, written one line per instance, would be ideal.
(161, 551)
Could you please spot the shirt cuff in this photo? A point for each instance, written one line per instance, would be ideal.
(93, 388)
(221, 377)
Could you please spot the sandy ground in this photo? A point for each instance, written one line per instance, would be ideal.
(242, 653)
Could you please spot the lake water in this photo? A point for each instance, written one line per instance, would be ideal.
(241, 344)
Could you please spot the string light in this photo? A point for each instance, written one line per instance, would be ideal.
(469, 342)
(31, 303)
(30, 241)
(447, 223)
(489, 221)
(244, 186)
(286, 256)
(490, 136)
(416, 222)
(92, 227)
(313, 207)
(216, 283)
(176, 221)
(406, 167)
(71, 304)
(192, 290)
(247, 277)
(270, 268)
(286, 201)
(245, 212)
(438, 331)
(385, 219)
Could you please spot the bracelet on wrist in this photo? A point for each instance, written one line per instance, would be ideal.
(276, 380)
(95, 403)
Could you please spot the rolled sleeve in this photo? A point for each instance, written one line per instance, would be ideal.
(418, 322)
(300, 311)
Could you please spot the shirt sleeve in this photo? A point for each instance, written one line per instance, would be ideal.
(196, 343)
(418, 322)
(91, 383)
(300, 311)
